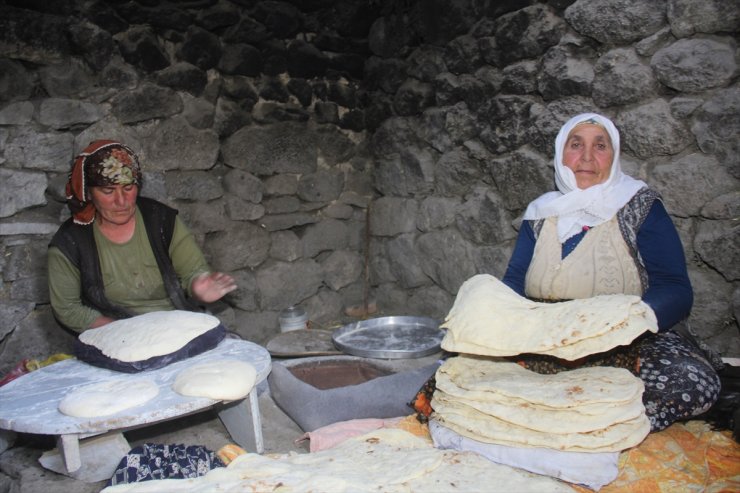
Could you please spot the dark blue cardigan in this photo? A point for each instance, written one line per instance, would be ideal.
(669, 291)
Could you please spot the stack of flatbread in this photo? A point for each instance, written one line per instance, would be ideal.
(484, 397)
(489, 318)
(595, 409)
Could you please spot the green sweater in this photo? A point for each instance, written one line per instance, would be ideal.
(130, 274)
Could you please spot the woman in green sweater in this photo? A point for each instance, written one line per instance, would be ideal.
(121, 254)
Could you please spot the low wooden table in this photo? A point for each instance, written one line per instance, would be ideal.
(29, 404)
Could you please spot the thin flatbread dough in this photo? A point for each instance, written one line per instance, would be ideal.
(149, 335)
(488, 318)
(385, 460)
(227, 379)
(106, 398)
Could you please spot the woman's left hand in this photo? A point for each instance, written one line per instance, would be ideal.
(212, 286)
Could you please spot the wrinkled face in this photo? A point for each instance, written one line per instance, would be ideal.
(115, 204)
(589, 154)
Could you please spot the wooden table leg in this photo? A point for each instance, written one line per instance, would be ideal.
(237, 418)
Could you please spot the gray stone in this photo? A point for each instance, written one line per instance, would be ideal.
(183, 76)
(244, 185)
(33, 185)
(258, 327)
(520, 77)
(246, 294)
(520, 177)
(95, 44)
(616, 21)
(34, 288)
(20, 39)
(69, 79)
(696, 64)
(528, 32)
(404, 261)
(281, 205)
(711, 314)
(335, 146)
(425, 62)
(108, 128)
(436, 213)
(145, 102)
(413, 97)
(725, 206)
(684, 107)
(493, 259)
(483, 218)
(390, 216)
(283, 284)
(12, 313)
(718, 244)
(392, 299)
(387, 36)
(193, 185)
(15, 81)
(677, 183)
(651, 130)
(18, 113)
(140, 47)
(49, 151)
(620, 77)
(323, 309)
(240, 59)
(456, 171)
(509, 123)
(717, 125)
(37, 336)
(444, 128)
(338, 211)
(446, 258)
(59, 113)
(277, 222)
(429, 301)
(567, 70)
(242, 210)
(321, 186)
(462, 55)
(285, 245)
(237, 248)
(687, 17)
(285, 147)
(341, 268)
(326, 235)
(282, 184)
(229, 117)
(173, 144)
(198, 112)
(351, 197)
(648, 46)
(205, 218)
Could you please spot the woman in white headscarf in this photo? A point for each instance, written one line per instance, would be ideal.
(603, 232)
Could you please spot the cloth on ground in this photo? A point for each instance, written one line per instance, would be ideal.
(312, 408)
(591, 469)
(156, 461)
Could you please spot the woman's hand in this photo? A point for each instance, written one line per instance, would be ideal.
(212, 286)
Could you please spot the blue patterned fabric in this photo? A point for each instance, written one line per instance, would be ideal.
(157, 461)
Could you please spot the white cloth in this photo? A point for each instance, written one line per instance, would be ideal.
(592, 470)
(574, 207)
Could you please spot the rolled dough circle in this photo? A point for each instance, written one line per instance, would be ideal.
(105, 398)
(226, 379)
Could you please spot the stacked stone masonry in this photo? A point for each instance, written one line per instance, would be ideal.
(329, 153)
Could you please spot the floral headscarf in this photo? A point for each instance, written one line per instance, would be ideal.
(102, 163)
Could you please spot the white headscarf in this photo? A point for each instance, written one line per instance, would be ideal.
(576, 208)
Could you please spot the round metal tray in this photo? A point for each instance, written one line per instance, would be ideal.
(390, 337)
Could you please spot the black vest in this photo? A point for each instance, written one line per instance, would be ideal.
(77, 243)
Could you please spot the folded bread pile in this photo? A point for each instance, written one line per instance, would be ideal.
(489, 318)
(484, 397)
(595, 409)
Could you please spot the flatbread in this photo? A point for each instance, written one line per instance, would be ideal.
(226, 379)
(106, 398)
(387, 460)
(149, 335)
(489, 318)
(474, 424)
(567, 389)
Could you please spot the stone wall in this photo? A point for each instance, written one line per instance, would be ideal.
(477, 106)
(280, 129)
